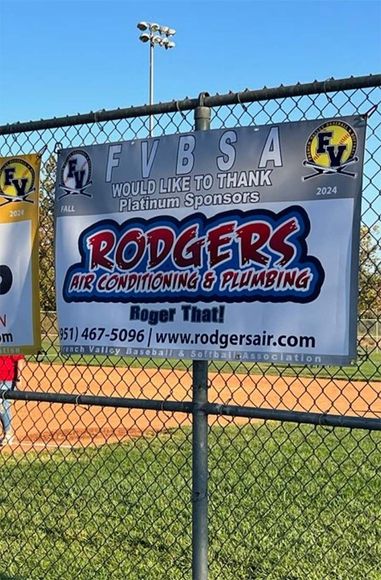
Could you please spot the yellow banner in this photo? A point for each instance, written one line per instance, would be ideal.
(19, 280)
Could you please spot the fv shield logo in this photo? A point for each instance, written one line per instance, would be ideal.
(76, 174)
(330, 149)
(17, 181)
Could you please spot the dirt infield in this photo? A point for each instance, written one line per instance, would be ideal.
(45, 424)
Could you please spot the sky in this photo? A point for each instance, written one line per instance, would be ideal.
(62, 57)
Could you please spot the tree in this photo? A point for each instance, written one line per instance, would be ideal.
(370, 273)
(46, 231)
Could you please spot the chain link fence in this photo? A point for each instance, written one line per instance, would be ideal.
(97, 481)
(369, 330)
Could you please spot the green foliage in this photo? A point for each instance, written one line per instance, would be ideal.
(46, 234)
(370, 273)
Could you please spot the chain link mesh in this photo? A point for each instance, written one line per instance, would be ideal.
(99, 492)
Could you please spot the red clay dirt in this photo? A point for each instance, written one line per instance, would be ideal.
(37, 425)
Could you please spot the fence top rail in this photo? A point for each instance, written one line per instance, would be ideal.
(231, 98)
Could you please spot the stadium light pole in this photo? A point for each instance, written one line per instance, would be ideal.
(156, 35)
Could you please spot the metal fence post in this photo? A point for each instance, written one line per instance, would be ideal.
(200, 434)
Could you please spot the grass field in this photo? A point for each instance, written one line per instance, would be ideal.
(286, 503)
(367, 367)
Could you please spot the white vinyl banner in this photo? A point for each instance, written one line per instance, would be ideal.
(231, 244)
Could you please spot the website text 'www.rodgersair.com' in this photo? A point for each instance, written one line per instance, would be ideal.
(224, 340)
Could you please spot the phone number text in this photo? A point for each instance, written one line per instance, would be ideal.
(97, 333)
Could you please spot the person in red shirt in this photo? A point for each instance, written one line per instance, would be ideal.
(10, 370)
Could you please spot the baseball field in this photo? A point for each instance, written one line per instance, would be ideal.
(105, 493)
(45, 424)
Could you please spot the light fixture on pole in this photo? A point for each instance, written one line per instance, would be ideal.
(156, 35)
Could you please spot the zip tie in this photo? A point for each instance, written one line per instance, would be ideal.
(97, 121)
(325, 90)
(180, 111)
(40, 353)
(42, 151)
(322, 418)
(165, 400)
(58, 147)
(220, 407)
(369, 113)
(244, 107)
